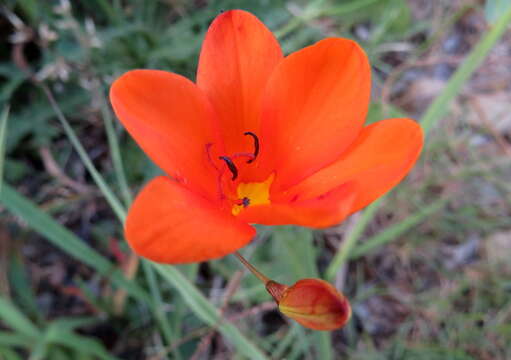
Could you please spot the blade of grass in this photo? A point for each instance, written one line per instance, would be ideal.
(433, 114)
(3, 137)
(66, 240)
(83, 345)
(9, 354)
(309, 13)
(72, 323)
(15, 319)
(113, 143)
(315, 9)
(25, 296)
(31, 9)
(285, 342)
(439, 106)
(299, 260)
(40, 348)
(324, 346)
(180, 308)
(108, 9)
(107, 192)
(351, 239)
(347, 8)
(10, 338)
(304, 342)
(392, 232)
(161, 317)
(207, 312)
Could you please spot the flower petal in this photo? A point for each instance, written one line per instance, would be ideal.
(315, 304)
(314, 107)
(168, 223)
(381, 157)
(236, 60)
(172, 121)
(319, 212)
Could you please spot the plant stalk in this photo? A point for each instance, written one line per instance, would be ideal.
(252, 269)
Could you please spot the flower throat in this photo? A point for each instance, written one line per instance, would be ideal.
(247, 194)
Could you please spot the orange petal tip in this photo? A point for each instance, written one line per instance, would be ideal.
(313, 303)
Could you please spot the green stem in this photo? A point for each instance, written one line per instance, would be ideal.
(160, 315)
(116, 205)
(351, 239)
(439, 106)
(3, 140)
(113, 143)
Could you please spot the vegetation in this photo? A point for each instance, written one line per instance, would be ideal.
(426, 268)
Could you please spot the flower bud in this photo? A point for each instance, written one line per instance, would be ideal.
(313, 303)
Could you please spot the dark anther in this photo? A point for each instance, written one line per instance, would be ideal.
(231, 166)
(256, 145)
(245, 201)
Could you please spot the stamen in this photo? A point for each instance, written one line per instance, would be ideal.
(231, 166)
(208, 152)
(256, 145)
(220, 172)
(243, 155)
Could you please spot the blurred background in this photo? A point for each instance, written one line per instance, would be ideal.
(427, 269)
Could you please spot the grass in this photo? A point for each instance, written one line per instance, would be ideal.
(424, 267)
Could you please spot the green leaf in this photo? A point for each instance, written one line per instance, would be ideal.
(396, 230)
(22, 287)
(66, 240)
(107, 192)
(70, 324)
(35, 120)
(31, 9)
(9, 354)
(378, 111)
(8, 338)
(15, 77)
(3, 136)
(351, 239)
(207, 312)
(61, 336)
(115, 152)
(16, 320)
(440, 105)
(296, 251)
(160, 315)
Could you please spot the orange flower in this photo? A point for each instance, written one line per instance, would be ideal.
(260, 138)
